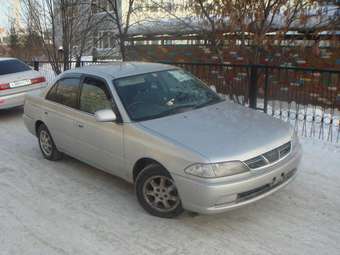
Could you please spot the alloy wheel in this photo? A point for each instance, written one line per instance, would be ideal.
(46, 142)
(160, 193)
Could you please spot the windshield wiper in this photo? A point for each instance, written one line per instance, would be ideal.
(171, 111)
(179, 107)
(213, 101)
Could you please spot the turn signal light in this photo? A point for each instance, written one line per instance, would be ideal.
(4, 86)
(38, 80)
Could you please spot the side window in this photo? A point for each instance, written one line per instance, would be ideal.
(94, 96)
(66, 92)
(52, 94)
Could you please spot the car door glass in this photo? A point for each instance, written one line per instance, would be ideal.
(94, 96)
(68, 92)
(52, 94)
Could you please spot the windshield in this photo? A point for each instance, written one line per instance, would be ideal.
(12, 66)
(158, 94)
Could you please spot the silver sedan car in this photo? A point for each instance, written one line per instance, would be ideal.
(157, 126)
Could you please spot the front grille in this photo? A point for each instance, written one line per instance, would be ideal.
(284, 149)
(272, 155)
(253, 193)
(269, 157)
(265, 188)
(256, 162)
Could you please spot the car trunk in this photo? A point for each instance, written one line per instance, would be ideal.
(16, 77)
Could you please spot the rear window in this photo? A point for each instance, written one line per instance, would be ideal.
(12, 66)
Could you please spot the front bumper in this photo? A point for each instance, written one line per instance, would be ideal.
(18, 99)
(209, 197)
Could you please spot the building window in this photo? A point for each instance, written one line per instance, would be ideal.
(102, 6)
(104, 40)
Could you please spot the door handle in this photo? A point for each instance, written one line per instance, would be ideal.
(80, 125)
(46, 113)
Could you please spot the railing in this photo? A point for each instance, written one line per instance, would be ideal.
(307, 98)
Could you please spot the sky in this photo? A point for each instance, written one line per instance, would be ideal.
(4, 11)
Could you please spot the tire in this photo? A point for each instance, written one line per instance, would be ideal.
(47, 145)
(157, 193)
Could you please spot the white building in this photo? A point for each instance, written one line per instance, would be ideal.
(14, 14)
(102, 42)
(3, 35)
(103, 37)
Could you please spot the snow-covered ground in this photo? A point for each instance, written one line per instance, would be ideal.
(68, 207)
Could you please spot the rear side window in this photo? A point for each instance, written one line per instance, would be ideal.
(12, 66)
(52, 94)
(94, 96)
(65, 92)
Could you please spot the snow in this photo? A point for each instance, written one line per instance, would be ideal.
(68, 207)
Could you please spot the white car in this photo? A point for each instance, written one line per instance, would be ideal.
(17, 79)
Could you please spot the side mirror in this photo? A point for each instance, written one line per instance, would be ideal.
(106, 115)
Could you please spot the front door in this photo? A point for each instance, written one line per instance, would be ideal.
(98, 143)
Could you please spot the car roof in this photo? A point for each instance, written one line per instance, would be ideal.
(121, 69)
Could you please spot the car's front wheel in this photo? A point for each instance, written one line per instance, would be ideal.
(157, 193)
(47, 145)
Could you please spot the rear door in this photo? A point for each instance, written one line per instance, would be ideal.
(59, 114)
(99, 143)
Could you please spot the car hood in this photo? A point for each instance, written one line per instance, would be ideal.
(222, 132)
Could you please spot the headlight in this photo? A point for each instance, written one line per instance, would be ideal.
(216, 169)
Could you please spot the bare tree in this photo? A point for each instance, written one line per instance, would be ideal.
(121, 20)
(256, 26)
(63, 26)
(87, 23)
(240, 23)
(40, 17)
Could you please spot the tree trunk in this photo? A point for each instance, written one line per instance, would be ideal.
(122, 48)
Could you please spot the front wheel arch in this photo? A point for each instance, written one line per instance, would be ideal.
(142, 163)
(164, 200)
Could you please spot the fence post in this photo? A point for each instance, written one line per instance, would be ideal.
(265, 99)
(253, 87)
(36, 65)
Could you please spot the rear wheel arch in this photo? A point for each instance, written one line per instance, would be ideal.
(46, 143)
(37, 125)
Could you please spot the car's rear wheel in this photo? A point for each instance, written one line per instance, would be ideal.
(47, 145)
(157, 192)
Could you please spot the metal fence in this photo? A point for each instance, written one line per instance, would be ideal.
(307, 98)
